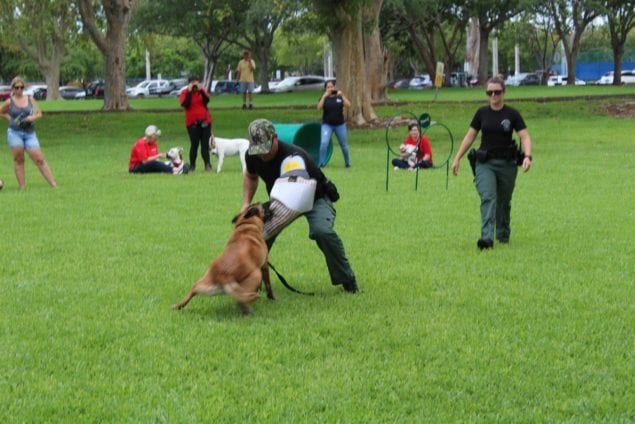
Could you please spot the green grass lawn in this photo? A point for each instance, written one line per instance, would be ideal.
(540, 330)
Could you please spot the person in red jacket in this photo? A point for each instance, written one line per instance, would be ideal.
(410, 156)
(198, 121)
(144, 156)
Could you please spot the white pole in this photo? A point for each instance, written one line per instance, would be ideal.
(148, 74)
(495, 56)
(516, 59)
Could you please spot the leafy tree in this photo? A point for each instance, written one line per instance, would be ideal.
(621, 20)
(42, 30)
(435, 30)
(209, 23)
(571, 17)
(302, 51)
(257, 26)
(111, 43)
(491, 14)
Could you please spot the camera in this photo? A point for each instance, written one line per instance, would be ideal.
(194, 86)
(334, 92)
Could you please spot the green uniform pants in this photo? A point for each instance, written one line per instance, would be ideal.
(495, 181)
(321, 220)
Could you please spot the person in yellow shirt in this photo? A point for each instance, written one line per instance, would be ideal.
(245, 76)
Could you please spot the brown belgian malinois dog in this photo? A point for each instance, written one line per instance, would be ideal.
(242, 266)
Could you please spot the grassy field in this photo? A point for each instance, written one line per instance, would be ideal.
(540, 330)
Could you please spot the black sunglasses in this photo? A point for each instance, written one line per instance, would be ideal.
(18, 87)
(490, 92)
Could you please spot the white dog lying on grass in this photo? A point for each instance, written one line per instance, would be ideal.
(222, 147)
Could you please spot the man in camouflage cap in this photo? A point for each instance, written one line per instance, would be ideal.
(269, 158)
(261, 134)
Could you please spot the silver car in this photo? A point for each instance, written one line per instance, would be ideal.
(307, 82)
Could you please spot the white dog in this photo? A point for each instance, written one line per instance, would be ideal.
(175, 156)
(222, 147)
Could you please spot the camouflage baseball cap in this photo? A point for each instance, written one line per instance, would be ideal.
(261, 134)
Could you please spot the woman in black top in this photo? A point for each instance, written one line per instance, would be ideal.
(495, 166)
(332, 104)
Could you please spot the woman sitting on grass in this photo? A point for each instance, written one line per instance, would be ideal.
(144, 156)
(415, 151)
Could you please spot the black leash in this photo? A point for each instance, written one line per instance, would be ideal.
(284, 282)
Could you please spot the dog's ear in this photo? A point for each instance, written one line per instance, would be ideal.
(234, 219)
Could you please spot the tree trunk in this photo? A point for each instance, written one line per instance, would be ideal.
(472, 48)
(349, 64)
(617, 66)
(112, 47)
(375, 55)
(483, 62)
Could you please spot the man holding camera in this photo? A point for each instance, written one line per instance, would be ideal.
(245, 76)
(269, 158)
(198, 121)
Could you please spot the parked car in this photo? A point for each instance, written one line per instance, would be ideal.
(226, 87)
(149, 87)
(556, 80)
(69, 92)
(272, 84)
(30, 90)
(177, 91)
(397, 84)
(5, 92)
(458, 79)
(514, 80)
(523, 78)
(40, 93)
(177, 83)
(420, 82)
(304, 83)
(530, 79)
(95, 89)
(628, 77)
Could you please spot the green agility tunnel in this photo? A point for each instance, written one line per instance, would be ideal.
(306, 136)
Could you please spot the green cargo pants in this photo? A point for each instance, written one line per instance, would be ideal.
(321, 220)
(495, 181)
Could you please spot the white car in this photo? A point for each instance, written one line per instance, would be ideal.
(30, 90)
(556, 80)
(514, 80)
(308, 82)
(420, 82)
(149, 87)
(628, 77)
(272, 84)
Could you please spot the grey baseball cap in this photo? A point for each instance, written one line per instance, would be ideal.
(261, 134)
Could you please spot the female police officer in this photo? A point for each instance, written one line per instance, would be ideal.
(496, 161)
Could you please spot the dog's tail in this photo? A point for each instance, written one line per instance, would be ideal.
(241, 295)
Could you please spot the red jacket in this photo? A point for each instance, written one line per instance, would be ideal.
(141, 151)
(195, 105)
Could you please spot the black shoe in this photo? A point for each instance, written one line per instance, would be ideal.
(244, 106)
(251, 106)
(503, 240)
(485, 244)
(350, 287)
(192, 168)
(208, 167)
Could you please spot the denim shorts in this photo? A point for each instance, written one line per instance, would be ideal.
(246, 87)
(24, 139)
